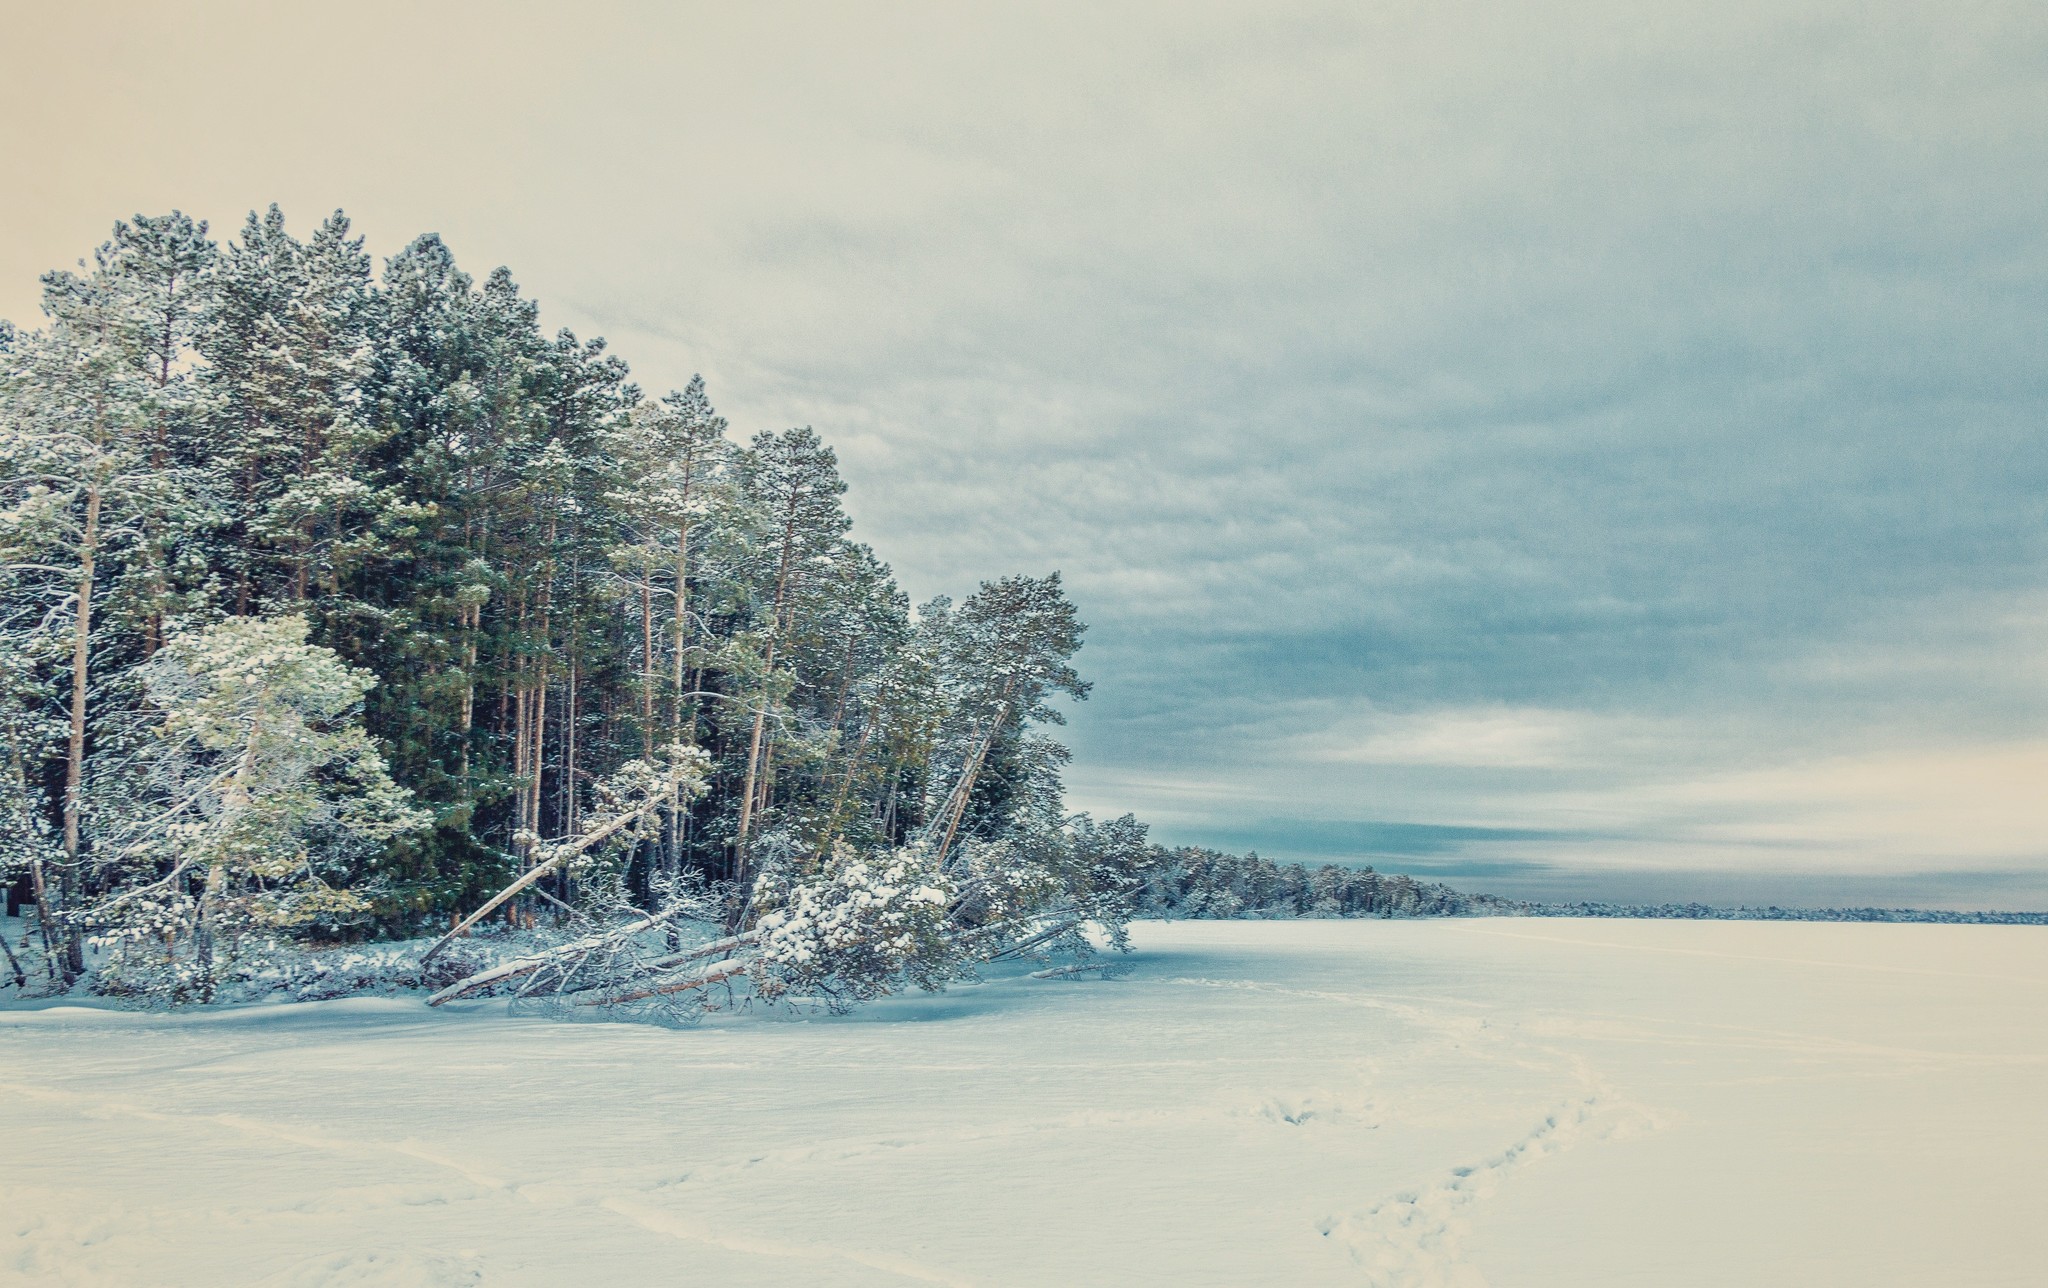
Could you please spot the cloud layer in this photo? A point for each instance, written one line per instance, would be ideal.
(1597, 438)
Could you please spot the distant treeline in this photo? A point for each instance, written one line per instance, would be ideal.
(1704, 912)
(1196, 883)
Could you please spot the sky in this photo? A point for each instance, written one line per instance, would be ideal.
(1587, 450)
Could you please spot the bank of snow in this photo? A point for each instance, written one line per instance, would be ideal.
(1413, 1103)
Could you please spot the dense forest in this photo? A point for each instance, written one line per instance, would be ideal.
(334, 601)
(329, 593)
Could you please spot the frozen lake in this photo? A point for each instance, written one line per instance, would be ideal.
(1505, 1102)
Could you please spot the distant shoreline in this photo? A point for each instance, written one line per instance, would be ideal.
(1197, 884)
(1484, 905)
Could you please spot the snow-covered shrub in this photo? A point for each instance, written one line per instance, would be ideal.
(850, 932)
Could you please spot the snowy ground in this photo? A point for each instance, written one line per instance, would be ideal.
(1497, 1102)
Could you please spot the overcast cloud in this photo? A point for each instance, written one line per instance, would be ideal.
(1592, 448)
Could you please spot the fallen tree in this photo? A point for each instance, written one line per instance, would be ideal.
(628, 806)
(837, 930)
(825, 912)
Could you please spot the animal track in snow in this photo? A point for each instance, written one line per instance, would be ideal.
(1415, 1239)
(384, 1269)
(1319, 1109)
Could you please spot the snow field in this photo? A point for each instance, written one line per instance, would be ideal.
(1456, 1102)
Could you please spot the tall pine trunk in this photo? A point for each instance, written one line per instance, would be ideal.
(74, 762)
(767, 689)
(647, 661)
(973, 770)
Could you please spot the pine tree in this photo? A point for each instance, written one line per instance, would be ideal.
(1006, 651)
(87, 494)
(791, 481)
(288, 355)
(256, 783)
(166, 264)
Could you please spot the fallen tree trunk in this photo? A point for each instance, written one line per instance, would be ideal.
(664, 794)
(14, 963)
(717, 972)
(568, 953)
(1073, 968)
(711, 949)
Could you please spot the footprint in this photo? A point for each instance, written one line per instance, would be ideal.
(1319, 1108)
(1414, 1239)
(385, 1269)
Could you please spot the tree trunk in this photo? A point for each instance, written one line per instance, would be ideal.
(682, 629)
(247, 503)
(540, 742)
(832, 823)
(647, 662)
(74, 763)
(50, 956)
(517, 697)
(547, 642)
(889, 804)
(559, 858)
(471, 617)
(567, 783)
(767, 688)
(209, 913)
(14, 964)
(234, 801)
(715, 973)
(966, 787)
(754, 761)
(672, 829)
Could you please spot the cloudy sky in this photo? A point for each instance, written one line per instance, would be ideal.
(1584, 448)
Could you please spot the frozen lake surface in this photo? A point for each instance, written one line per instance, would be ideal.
(1505, 1102)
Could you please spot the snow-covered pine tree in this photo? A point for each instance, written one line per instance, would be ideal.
(288, 348)
(250, 805)
(672, 460)
(165, 264)
(85, 492)
(791, 483)
(1006, 652)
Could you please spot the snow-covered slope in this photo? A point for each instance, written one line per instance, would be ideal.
(1498, 1102)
